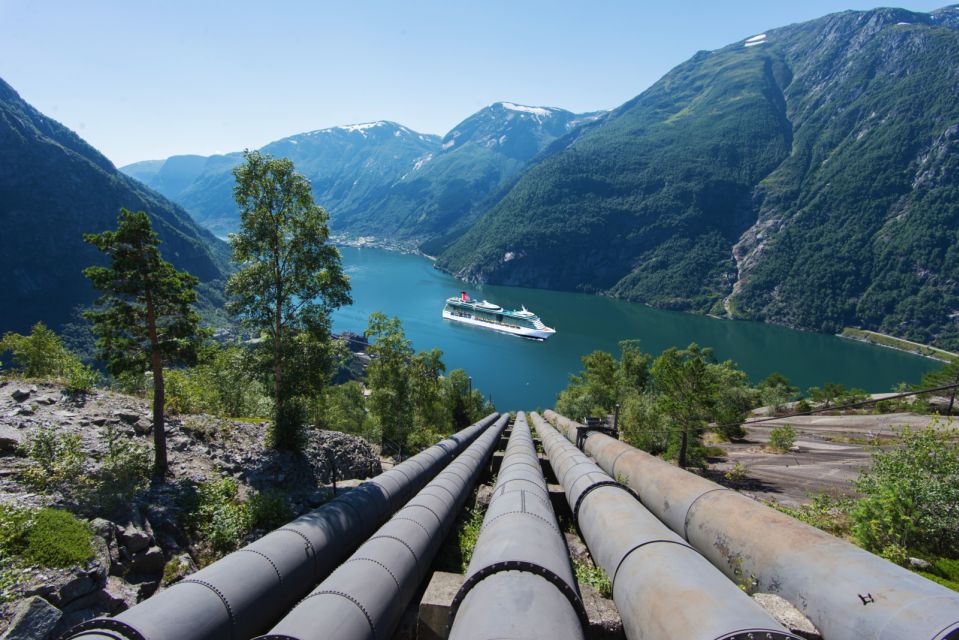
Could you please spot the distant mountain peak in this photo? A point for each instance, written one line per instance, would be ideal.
(536, 111)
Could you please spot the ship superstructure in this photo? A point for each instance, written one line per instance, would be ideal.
(482, 313)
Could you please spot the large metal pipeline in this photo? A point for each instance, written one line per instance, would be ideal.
(520, 567)
(662, 587)
(848, 593)
(245, 592)
(366, 595)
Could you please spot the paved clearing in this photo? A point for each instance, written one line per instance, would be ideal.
(832, 450)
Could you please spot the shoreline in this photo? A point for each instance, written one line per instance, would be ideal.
(921, 350)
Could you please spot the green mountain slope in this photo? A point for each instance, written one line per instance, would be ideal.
(447, 189)
(804, 177)
(53, 188)
(381, 179)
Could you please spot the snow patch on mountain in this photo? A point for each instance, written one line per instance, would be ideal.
(536, 111)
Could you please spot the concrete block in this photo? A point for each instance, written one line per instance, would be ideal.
(433, 620)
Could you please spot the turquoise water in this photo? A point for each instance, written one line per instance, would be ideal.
(526, 374)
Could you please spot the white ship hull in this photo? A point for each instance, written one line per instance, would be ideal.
(524, 332)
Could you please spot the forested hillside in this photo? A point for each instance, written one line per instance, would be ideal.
(54, 187)
(803, 176)
(381, 179)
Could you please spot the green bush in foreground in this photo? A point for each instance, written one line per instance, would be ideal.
(910, 496)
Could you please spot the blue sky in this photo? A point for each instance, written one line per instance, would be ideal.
(143, 80)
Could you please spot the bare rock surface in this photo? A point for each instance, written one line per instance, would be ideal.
(33, 619)
(787, 615)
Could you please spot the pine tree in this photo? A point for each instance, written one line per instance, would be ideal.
(144, 317)
(289, 281)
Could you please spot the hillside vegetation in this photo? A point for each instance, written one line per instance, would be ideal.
(805, 178)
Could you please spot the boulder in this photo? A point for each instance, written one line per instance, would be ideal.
(10, 439)
(33, 619)
(484, 494)
(920, 564)
(149, 562)
(143, 426)
(20, 394)
(127, 416)
(134, 538)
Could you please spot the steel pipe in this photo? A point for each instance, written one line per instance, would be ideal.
(662, 587)
(245, 592)
(848, 593)
(520, 567)
(366, 595)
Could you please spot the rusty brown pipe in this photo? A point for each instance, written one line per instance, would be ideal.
(848, 593)
(662, 587)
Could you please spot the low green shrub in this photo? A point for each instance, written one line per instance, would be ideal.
(59, 465)
(47, 537)
(270, 509)
(589, 573)
(782, 438)
(57, 538)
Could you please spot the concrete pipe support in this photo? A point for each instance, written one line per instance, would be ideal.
(520, 567)
(848, 593)
(662, 587)
(245, 592)
(366, 596)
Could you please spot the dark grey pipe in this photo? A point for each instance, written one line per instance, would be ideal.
(245, 592)
(520, 568)
(848, 593)
(662, 587)
(366, 596)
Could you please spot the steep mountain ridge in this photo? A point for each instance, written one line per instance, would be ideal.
(54, 187)
(381, 179)
(804, 176)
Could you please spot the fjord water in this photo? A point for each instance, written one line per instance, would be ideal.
(526, 374)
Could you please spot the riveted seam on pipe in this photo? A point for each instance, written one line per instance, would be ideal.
(439, 520)
(369, 618)
(267, 558)
(544, 500)
(376, 562)
(402, 542)
(309, 546)
(439, 486)
(527, 513)
(690, 508)
(226, 603)
(416, 522)
(629, 552)
(754, 634)
(562, 480)
(507, 481)
(593, 487)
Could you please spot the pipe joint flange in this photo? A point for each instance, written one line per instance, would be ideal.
(588, 490)
(758, 634)
(106, 626)
(526, 567)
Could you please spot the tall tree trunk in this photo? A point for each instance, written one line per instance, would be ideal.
(160, 465)
(278, 360)
(683, 443)
(952, 395)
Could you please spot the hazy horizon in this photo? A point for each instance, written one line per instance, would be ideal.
(147, 82)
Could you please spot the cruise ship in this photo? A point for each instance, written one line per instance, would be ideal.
(523, 323)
